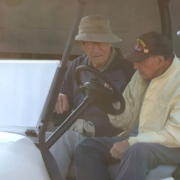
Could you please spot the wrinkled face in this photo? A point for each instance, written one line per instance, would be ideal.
(97, 52)
(149, 68)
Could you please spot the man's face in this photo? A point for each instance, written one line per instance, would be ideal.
(98, 53)
(149, 68)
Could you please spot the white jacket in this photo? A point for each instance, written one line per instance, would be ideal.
(159, 118)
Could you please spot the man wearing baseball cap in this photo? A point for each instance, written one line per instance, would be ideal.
(153, 105)
(95, 38)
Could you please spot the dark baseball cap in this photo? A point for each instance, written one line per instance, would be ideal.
(149, 44)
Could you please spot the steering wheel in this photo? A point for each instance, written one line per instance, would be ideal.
(97, 94)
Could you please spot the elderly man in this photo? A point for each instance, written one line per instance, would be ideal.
(153, 104)
(95, 38)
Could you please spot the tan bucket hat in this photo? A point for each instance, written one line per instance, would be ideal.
(96, 28)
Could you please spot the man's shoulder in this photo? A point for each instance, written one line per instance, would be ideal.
(81, 60)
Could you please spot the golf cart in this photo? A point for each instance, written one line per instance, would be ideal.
(25, 157)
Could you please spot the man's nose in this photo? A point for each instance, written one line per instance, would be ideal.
(96, 47)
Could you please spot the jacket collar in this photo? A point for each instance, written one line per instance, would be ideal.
(171, 70)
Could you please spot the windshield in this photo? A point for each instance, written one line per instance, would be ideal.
(38, 29)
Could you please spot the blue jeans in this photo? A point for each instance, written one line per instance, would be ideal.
(92, 158)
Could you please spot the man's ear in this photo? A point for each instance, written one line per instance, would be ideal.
(161, 61)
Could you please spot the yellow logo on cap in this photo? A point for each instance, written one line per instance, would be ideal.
(141, 42)
(140, 45)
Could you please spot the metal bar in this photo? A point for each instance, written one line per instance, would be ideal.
(165, 15)
(48, 109)
(58, 79)
(51, 165)
(66, 124)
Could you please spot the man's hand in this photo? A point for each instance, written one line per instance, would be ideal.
(119, 148)
(108, 86)
(62, 104)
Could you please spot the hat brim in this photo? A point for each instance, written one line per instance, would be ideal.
(136, 56)
(108, 38)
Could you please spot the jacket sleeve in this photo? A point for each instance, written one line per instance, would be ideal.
(68, 82)
(169, 136)
(67, 85)
(124, 120)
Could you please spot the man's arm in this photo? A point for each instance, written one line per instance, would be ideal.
(170, 134)
(65, 98)
(131, 111)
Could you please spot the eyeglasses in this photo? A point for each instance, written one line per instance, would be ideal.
(90, 45)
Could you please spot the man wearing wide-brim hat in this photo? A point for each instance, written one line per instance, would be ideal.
(95, 38)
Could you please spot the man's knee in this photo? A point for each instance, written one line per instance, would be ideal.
(140, 149)
(85, 144)
(82, 144)
(67, 135)
(70, 137)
